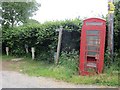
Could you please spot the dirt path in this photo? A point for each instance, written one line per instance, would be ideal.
(9, 66)
(12, 79)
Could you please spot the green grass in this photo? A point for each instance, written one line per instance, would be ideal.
(40, 68)
(6, 58)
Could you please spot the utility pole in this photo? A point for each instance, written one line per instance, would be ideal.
(110, 28)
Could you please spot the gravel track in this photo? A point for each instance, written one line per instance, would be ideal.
(12, 79)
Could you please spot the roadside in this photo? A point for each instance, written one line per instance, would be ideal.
(13, 79)
(37, 72)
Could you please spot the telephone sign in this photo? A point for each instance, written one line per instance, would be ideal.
(92, 46)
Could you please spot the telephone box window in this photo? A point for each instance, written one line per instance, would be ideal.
(92, 48)
(91, 53)
(93, 42)
(92, 37)
(94, 32)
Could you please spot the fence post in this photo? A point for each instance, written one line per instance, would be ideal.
(7, 51)
(33, 52)
(59, 45)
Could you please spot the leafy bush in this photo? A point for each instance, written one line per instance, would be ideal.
(117, 26)
(41, 36)
(70, 61)
(107, 59)
(45, 56)
(112, 65)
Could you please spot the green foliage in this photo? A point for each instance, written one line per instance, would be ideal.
(112, 65)
(70, 61)
(117, 26)
(107, 59)
(46, 56)
(116, 63)
(41, 36)
(14, 13)
(31, 21)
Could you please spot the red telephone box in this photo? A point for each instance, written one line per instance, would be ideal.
(92, 46)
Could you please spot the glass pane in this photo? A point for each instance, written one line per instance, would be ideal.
(93, 42)
(91, 53)
(94, 32)
(92, 37)
(92, 48)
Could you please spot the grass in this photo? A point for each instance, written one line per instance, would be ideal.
(6, 58)
(40, 68)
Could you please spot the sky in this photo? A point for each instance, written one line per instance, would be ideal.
(69, 9)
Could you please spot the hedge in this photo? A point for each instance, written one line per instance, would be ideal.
(41, 36)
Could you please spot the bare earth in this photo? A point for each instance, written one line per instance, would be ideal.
(14, 79)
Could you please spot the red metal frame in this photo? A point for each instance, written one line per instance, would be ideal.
(92, 37)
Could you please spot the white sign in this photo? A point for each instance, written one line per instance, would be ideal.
(94, 23)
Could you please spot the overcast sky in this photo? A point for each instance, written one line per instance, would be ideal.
(70, 9)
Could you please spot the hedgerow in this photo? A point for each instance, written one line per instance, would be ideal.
(41, 36)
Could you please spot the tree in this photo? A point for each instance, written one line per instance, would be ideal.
(14, 13)
(32, 21)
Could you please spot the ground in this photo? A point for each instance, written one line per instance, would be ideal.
(16, 80)
(12, 78)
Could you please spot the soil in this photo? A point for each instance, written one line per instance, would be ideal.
(9, 65)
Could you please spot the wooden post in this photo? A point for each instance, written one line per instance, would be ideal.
(59, 45)
(33, 52)
(110, 27)
(7, 51)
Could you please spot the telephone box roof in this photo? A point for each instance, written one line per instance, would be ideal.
(94, 19)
